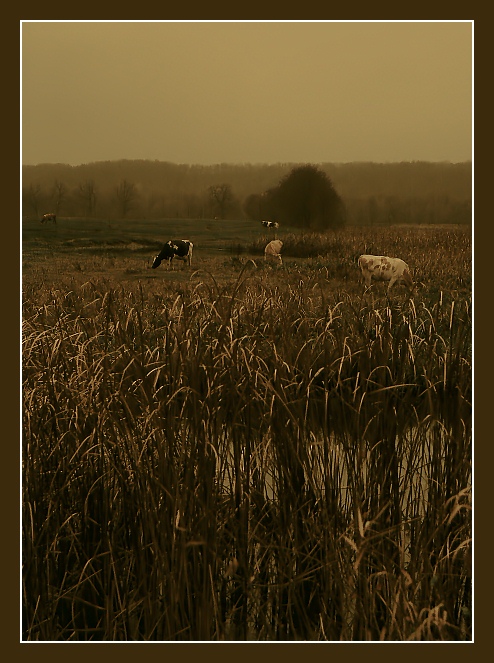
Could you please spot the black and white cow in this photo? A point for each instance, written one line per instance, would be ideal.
(49, 217)
(270, 224)
(175, 248)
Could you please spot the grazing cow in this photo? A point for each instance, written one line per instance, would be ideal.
(49, 217)
(270, 224)
(273, 251)
(176, 248)
(382, 268)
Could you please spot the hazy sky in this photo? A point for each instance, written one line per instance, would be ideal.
(233, 92)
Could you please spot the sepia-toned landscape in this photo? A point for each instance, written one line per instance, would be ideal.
(240, 450)
(246, 336)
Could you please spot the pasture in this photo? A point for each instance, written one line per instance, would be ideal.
(240, 450)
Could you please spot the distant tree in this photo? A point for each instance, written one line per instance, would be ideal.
(192, 205)
(307, 199)
(59, 195)
(252, 206)
(152, 204)
(445, 189)
(126, 194)
(87, 194)
(260, 206)
(220, 195)
(33, 198)
(373, 210)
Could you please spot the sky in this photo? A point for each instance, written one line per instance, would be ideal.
(246, 92)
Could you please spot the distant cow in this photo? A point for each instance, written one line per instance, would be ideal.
(49, 217)
(270, 224)
(273, 251)
(382, 268)
(175, 248)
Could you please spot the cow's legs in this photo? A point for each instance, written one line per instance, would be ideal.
(392, 281)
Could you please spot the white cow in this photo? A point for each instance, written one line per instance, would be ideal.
(273, 250)
(270, 224)
(382, 268)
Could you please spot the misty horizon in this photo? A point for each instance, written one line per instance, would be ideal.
(207, 93)
(242, 163)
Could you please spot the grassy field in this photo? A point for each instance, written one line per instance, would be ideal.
(241, 451)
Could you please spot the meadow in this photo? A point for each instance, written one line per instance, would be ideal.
(240, 451)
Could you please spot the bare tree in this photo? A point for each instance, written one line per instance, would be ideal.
(33, 198)
(59, 194)
(87, 194)
(126, 194)
(220, 195)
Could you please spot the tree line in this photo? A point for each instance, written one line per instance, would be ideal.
(355, 193)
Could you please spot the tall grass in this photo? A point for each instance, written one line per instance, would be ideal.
(437, 256)
(270, 459)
